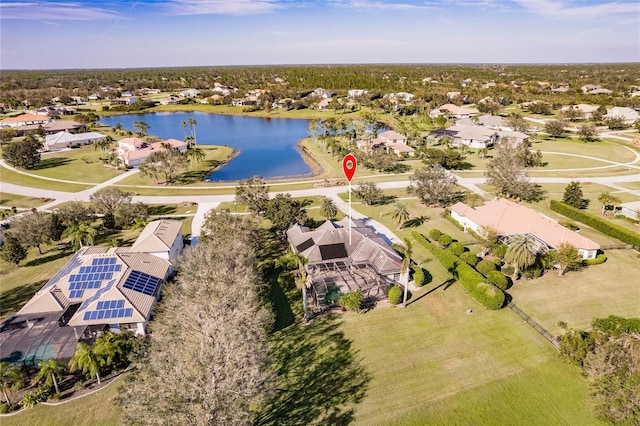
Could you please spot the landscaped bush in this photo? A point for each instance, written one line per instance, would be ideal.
(601, 258)
(445, 240)
(485, 266)
(508, 270)
(499, 250)
(498, 263)
(489, 296)
(435, 235)
(418, 276)
(38, 395)
(533, 272)
(570, 225)
(602, 225)
(352, 301)
(4, 408)
(498, 279)
(395, 295)
(470, 258)
(456, 248)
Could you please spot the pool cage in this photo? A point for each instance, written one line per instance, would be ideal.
(331, 279)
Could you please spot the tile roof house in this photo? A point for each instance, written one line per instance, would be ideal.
(389, 141)
(366, 261)
(489, 121)
(51, 127)
(162, 238)
(509, 218)
(24, 120)
(99, 288)
(585, 109)
(133, 151)
(62, 140)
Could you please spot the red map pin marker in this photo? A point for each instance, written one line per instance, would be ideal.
(349, 165)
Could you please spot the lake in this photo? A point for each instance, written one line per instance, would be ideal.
(268, 147)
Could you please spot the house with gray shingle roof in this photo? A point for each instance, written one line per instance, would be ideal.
(339, 263)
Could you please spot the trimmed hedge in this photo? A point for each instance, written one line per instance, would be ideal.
(601, 258)
(498, 279)
(395, 295)
(486, 266)
(435, 235)
(418, 276)
(602, 225)
(445, 240)
(473, 282)
(470, 258)
(456, 248)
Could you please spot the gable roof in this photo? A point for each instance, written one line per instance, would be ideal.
(69, 138)
(26, 118)
(509, 218)
(159, 235)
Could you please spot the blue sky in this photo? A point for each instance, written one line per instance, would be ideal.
(153, 33)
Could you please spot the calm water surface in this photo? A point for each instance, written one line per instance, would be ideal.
(268, 147)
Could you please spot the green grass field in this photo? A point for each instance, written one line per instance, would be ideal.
(79, 165)
(20, 201)
(10, 176)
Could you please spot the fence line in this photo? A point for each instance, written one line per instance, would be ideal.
(536, 326)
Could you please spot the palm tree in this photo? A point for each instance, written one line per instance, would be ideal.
(328, 208)
(117, 128)
(49, 371)
(192, 123)
(195, 155)
(183, 124)
(81, 233)
(85, 359)
(10, 376)
(400, 214)
(301, 280)
(142, 128)
(110, 349)
(522, 252)
(103, 145)
(406, 252)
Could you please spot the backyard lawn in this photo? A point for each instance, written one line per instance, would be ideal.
(20, 201)
(79, 165)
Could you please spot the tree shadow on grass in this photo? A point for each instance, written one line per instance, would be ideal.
(445, 284)
(319, 376)
(50, 258)
(48, 163)
(161, 210)
(14, 299)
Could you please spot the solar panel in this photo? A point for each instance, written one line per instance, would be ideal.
(305, 245)
(108, 314)
(91, 277)
(142, 283)
(333, 251)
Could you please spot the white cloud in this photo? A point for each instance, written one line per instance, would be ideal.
(564, 9)
(221, 7)
(382, 5)
(44, 11)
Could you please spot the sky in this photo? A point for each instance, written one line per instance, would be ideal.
(54, 34)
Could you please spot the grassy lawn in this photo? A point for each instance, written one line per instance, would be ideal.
(630, 185)
(32, 181)
(79, 165)
(215, 155)
(580, 297)
(20, 201)
(172, 209)
(91, 410)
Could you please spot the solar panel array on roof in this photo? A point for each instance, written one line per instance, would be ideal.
(305, 245)
(142, 283)
(91, 277)
(333, 251)
(109, 309)
(70, 266)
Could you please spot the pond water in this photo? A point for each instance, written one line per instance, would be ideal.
(267, 147)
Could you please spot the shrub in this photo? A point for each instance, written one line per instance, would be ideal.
(418, 276)
(570, 225)
(508, 270)
(497, 262)
(485, 266)
(602, 225)
(498, 279)
(4, 408)
(352, 301)
(470, 258)
(499, 250)
(534, 272)
(445, 240)
(601, 258)
(395, 295)
(456, 248)
(38, 395)
(486, 294)
(435, 235)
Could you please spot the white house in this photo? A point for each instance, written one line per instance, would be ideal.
(62, 140)
(629, 115)
(509, 218)
(494, 122)
(189, 93)
(24, 120)
(161, 238)
(354, 93)
(389, 141)
(454, 111)
(323, 93)
(472, 136)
